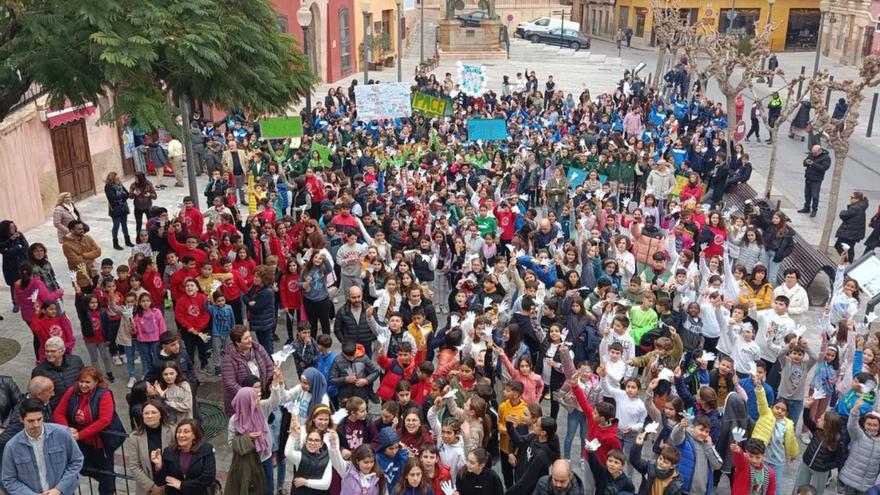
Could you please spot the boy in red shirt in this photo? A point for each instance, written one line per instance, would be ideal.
(601, 422)
(191, 217)
(751, 476)
(192, 319)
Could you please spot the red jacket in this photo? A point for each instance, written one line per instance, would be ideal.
(190, 312)
(394, 373)
(89, 432)
(178, 280)
(193, 221)
(607, 435)
(441, 474)
(181, 250)
(742, 475)
(152, 281)
(420, 391)
(507, 221)
(316, 189)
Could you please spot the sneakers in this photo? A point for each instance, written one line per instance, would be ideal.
(124, 358)
(813, 214)
(117, 360)
(131, 381)
(804, 210)
(110, 377)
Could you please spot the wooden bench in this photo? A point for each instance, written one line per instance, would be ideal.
(808, 260)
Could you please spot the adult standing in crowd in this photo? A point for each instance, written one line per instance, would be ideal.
(235, 162)
(10, 396)
(175, 156)
(43, 459)
(64, 213)
(351, 321)
(188, 465)
(261, 310)
(243, 356)
(852, 228)
(815, 165)
(13, 248)
(155, 432)
(117, 199)
(87, 409)
(142, 194)
(62, 368)
(81, 251)
(40, 388)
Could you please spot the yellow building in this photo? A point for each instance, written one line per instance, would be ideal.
(797, 21)
(382, 28)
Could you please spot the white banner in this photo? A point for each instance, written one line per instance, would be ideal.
(383, 101)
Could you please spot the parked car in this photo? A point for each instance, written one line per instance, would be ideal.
(568, 38)
(542, 25)
(473, 19)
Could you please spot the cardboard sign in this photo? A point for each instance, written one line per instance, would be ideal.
(281, 127)
(430, 105)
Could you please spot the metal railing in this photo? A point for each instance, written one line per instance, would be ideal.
(89, 473)
(33, 92)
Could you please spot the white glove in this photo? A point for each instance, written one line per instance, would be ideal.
(447, 488)
(205, 337)
(593, 445)
(739, 434)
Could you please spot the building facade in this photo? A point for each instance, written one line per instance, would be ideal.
(848, 32)
(797, 21)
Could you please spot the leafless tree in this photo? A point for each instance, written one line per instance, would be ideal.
(840, 130)
(790, 104)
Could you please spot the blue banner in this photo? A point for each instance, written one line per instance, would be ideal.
(576, 177)
(487, 129)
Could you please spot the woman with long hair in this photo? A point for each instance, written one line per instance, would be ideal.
(156, 431)
(175, 390)
(756, 289)
(361, 474)
(824, 451)
(778, 244)
(28, 293)
(316, 296)
(188, 465)
(313, 472)
(478, 478)
(142, 194)
(117, 209)
(413, 433)
(64, 213)
(13, 248)
(141, 392)
(39, 259)
(87, 408)
(413, 480)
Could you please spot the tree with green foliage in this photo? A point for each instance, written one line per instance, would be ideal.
(228, 53)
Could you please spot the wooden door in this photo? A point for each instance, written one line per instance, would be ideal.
(73, 160)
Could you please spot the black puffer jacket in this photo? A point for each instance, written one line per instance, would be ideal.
(347, 328)
(782, 245)
(10, 396)
(817, 455)
(815, 170)
(854, 218)
(63, 377)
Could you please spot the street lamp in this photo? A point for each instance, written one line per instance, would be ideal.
(365, 10)
(304, 19)
(823, 10)
(422, 31)
(399, 40)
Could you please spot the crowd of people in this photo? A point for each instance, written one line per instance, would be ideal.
(470, 293)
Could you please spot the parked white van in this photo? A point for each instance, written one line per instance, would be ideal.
(543, 25)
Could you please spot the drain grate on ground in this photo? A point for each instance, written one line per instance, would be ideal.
(214, 420)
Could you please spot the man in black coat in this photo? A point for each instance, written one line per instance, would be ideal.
(815, 165)
(852, 230)
(351, 321)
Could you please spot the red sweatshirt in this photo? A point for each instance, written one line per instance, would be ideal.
(190, 312)
(89, 427)
(290, 291)
(193, 220)
(152, 281)
(182, 250)
(607, 435)
(233, 287)
(245, 268)
(178, 280)
(507, 221)
(44, 328)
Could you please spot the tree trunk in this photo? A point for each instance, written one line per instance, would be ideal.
(658, 74)
(840, 153)
(731, 113)
(771, 169)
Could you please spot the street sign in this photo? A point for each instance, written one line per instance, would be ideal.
(740, 132)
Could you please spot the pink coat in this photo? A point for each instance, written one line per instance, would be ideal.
(533, 384)
(22, 296)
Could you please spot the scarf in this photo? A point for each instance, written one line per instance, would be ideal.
(765, 482)
(249, 418)
(317, 387)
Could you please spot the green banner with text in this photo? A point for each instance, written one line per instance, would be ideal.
(430, 105)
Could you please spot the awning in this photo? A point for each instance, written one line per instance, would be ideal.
(69, 114)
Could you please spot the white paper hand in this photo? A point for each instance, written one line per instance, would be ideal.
(34, 295)
(72, 275)
(799, 330)
(281, 356)
(449, 395)
(338, 416)
(447, 488)
(709, 356)
(593, 445)
(739, 434)
(205, 337)
(652, 427)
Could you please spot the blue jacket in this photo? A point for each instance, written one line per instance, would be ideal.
(392, 467)
(686, 464)
(749, 387)
(545, 273)
(262, 316)
(63, 461)
(325, 361)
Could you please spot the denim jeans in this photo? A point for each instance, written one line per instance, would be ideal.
(148, 352)
(627, 443)
(772, 266)
(268, 469)
(812, 190)
(795, 408)
(806, 476)
(777, 473)
(576, 419)
(120, 222)
(129, 360)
